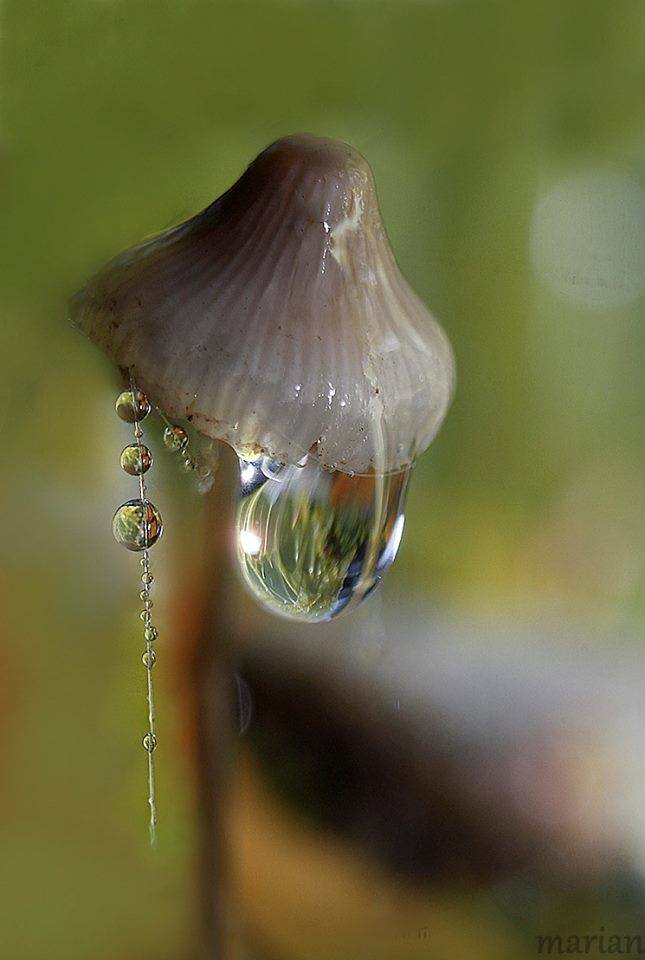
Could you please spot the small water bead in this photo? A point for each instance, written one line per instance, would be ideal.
(147, 578)
(207, 462)
(312, 541)
(150, 742)
(151, 634)
(137, 524)
(136, 459)
(188, 464)
(205, 485)
(132, 408)
(175, 439)
(149, 659)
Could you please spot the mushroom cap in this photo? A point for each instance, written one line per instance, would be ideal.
(278, 320)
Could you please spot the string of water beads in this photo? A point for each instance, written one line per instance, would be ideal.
(137, 525)
(176, 440)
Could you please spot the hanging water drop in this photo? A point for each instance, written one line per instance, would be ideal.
(136, 459)
(132, 406)
(175, 438)
(310, 541)
(137, 524)
(205, 484)
(149, 742)
(149, 659)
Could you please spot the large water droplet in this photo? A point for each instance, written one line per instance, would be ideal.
(311, 541)
(137, 524)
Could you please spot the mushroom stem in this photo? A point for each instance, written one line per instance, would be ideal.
(210, 673)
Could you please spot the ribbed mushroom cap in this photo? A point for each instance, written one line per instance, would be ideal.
(278, 320)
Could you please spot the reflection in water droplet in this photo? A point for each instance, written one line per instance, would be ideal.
(175, 438)
(243, 703)
(311, 541)
(149, 742)
(136, 459)
(131, 408)
(248, 451)
(274, 470)
(205, 485)
(137, 524)
(149, 659)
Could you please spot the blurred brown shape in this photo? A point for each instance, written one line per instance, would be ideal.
(307, 893)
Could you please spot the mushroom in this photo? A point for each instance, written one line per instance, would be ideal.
(278, 321)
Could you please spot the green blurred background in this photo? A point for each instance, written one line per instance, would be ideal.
(507, 139)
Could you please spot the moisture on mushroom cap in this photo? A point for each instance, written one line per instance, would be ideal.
(278, 320)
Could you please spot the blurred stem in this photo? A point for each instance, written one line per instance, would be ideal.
(211, 670)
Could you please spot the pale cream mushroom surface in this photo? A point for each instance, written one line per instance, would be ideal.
(278, 320)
